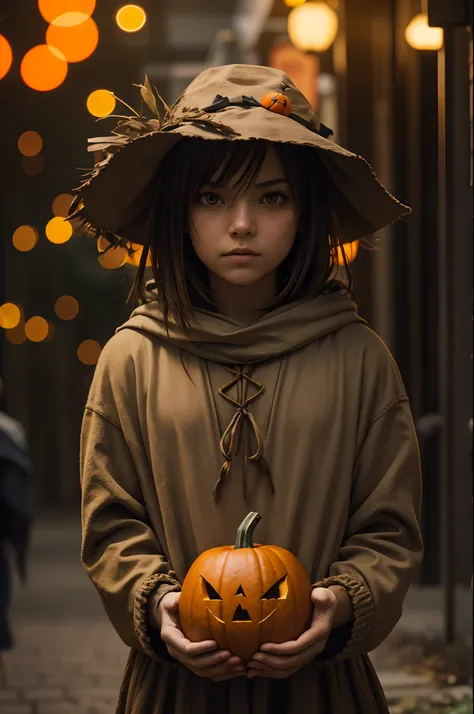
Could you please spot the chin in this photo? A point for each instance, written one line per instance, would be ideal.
(243, 279)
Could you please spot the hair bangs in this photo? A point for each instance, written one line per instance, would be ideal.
(226, 163)
(181, 279)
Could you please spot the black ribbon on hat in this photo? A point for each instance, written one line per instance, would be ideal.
(221, 102)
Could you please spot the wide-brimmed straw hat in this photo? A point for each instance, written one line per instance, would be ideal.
(229, 103)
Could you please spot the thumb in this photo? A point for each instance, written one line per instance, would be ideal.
(172, 598)
(171, 602)
(323, 598)
(169, 609)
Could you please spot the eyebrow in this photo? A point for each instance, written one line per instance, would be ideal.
(262, 184)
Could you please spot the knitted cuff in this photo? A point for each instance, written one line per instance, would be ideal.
(149, 638)
(363, 608)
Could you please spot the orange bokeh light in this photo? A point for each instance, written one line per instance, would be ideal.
(30, 143)
(131, 18)
(350, 249)
(61, 204)
(52, 9)
(75, 42)
(10, 315)
(25, 238)
(136, 257)
(89, 352)
(6, 56)
(37, 329)
(43, 68)
(32, 165)
(66, 307)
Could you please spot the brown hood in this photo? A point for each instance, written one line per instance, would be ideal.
(221, 339)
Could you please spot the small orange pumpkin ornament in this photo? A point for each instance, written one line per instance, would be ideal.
(244, 595)
(278, 103)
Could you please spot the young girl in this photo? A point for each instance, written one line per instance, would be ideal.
(245, 381)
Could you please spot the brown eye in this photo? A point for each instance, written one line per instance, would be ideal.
(210, 199)
(211, 593)
(274, 199)
(274, 593)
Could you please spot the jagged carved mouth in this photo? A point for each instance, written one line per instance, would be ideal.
(279, 590)
(241, 615)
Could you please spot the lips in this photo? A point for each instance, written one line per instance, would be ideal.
(242, 251)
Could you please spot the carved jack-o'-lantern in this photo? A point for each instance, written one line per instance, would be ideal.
(277, 102)
(245, 595)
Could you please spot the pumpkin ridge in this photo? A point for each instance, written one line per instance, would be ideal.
(264, 555)
(255, 554)
(188, 603)
(223, 573)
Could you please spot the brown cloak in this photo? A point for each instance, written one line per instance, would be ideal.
(338, 437)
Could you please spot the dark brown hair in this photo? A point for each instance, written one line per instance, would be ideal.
(180, 277)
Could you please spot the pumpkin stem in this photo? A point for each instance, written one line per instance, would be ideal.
(245, 531)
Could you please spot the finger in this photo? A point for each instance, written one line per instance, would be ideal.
(211, 660)
(255, 664)
(201, 661)
(216, 671)
(172, 636)
(311, 637)
(280, 662)
(272, 674)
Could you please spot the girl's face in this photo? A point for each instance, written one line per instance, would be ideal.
(261, 221)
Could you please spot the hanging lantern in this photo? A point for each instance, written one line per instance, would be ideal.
(421, 36)
(312, 27)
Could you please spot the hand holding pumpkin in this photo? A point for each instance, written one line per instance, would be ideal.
(282, 660)
(245, 595)
(203, 658)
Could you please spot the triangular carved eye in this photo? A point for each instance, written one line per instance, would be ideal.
(240, 591)
(211, 593)
(277, 591)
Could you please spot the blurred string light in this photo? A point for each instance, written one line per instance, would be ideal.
(74, 35)
(421, 36)
(101, 103)
(58, 230)
(294, 3)
(66, 307)
(52, 9)
(37, 329)
(136, 257)
(30, 143)
(89, 351)
(10, 315)
(32, 165)
(350, 249)
(313, 26)
(43, 68)
(131, 18)
(111, 258)
(17, 336)
(6, 56)
(61, 204)
(25, 238)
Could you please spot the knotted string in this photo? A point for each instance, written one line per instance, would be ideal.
(231, 438)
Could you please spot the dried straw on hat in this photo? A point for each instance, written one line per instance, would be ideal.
(229, 103)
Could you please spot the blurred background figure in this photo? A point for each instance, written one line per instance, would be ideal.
(16, 513)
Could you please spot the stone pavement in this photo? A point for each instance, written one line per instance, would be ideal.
(69, 660)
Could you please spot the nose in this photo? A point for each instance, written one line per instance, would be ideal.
(241, 220)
